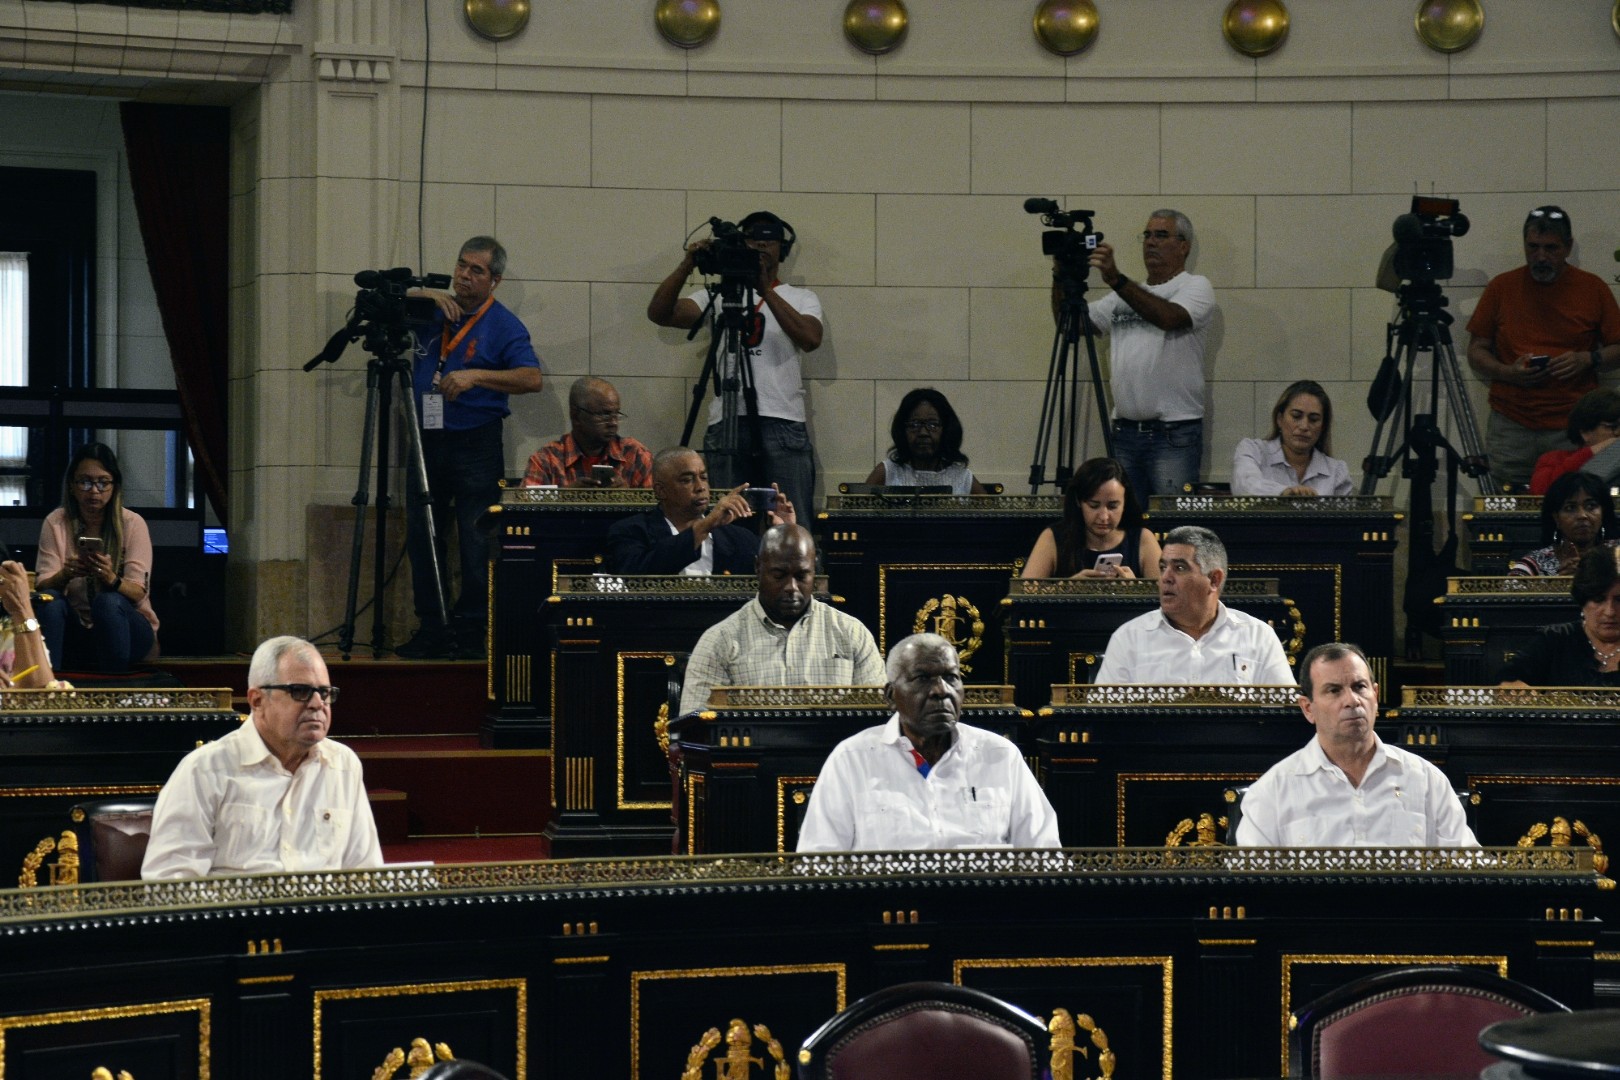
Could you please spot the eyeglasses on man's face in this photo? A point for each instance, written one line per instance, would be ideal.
(99, 483)
(302, 692)
(1160, 234)
(1554, 214)
(605, 417)
(917, 427)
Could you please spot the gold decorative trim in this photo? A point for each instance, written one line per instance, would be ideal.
(953, 611)
(1566, 944)
(519, 986)
(99, 789)
(921, 946)
(712, 586)
(167, 701)
(625, 499)
(563, 960)
(1010, 569)
(820, 698)
(1508, 504)
(1229, 941)
(1514, 585)
(201, 1006)
(1291, 960)
(1272, 505)
(1471, 699)
(1246, 697)
(258, 980)
(1165, 964)
(1049, 506)
(1292, 648)
(1121, 779)
(637, 978)
(782, 784)
(619, 721)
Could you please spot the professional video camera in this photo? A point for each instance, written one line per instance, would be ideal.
(1423, 238)
(1071, 248)
(383, 312)
(727, 255)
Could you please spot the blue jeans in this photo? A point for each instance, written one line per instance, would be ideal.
(1160, 461)
(789, 461)
(464, 479)
(118, 637)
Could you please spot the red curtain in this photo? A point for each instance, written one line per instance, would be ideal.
(179, 169)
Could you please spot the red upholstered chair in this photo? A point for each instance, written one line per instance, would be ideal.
(1416, 1021)
(112, 837)
(927, 1029)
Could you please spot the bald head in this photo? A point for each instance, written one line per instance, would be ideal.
(593, 413)
(681, 484)
(787, 572)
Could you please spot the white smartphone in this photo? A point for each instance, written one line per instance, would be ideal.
(1108, 558)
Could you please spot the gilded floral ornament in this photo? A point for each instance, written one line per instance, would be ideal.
(1449, 26)
(1255, 27)
(876, 26)
(688, 23)
(1068, 27)
(497, 20)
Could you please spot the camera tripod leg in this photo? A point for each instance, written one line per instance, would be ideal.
(362, 499)
(419, 498)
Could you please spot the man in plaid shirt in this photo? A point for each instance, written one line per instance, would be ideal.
(782, 637)
(593, 410)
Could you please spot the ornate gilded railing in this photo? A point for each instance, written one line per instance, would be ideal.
(626, 499)
(837, 697)
(1202, 697)
(1195, 867)
(1496, 587)
(673, 585)
(954, 505)
(1322, 505)
(1507, 504)
(80, 702)
(1475, 698)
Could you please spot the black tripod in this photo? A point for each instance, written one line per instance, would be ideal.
(1423, 326)
(1060, 405)
(389, 345)
(730, 368)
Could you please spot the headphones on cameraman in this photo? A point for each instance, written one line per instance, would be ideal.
(775, 229)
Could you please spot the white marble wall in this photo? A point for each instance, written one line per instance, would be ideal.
(591, 147)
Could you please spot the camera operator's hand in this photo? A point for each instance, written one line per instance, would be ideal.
(1571, 365)
(1523, 373)
(1102, 260)
(457, 382)
(446, 302)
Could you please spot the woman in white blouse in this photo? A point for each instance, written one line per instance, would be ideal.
(1293, 459)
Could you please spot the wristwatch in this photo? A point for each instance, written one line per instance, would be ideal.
(30, 626)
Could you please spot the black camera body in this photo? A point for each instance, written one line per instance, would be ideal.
(727, 255)
(1423, 239)
(383, 298)
(1070, 245)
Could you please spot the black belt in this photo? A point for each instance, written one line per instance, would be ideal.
(1153, 425)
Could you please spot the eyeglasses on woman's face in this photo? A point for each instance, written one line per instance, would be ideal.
(98, 483)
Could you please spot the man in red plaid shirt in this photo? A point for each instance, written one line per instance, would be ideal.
(593, 409)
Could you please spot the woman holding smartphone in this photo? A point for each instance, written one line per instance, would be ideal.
(1101, 534)
(95, 557)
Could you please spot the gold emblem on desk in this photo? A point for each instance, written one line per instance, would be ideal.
(955, 619)
(1561, 833)
(738, 1062)
(1203, 832)
(1064, 1028)
(104, 1073)
(421, 1058)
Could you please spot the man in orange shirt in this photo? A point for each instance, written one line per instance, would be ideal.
(1540, 334)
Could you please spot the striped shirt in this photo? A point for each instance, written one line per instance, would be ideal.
(824, 648)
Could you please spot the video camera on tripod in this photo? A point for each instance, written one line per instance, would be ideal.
(1070, 247)
(384, 313)
(1423, 239)
(727, 255)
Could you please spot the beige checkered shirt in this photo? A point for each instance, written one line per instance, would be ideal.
(824, 648)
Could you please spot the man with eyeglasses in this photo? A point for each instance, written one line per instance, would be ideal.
(593, 446)
(469, 362)
(684, 534)
(1540, 334)
(1158, 329)
(275, 794)
(785, 323)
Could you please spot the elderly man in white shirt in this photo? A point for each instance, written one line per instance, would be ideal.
(923, 780)
(275, 794)
(1194, 638)
(1347, 787)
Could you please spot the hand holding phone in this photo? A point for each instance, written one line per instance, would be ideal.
(1108, 563)
(90, 545)
(1539, 361)
(602, 475)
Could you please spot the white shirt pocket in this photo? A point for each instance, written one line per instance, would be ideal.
(242, 834)
(331, 834)
(883, 821)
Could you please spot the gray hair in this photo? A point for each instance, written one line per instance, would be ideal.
(1183, 222)
(265, 667)
(497, 254)
(666, 457)
(906, 646)
(582, 389)
(1208, 551)
(1330, 651)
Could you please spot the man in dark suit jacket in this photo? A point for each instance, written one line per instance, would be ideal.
(685, 536)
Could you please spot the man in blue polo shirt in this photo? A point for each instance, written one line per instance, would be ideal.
(468, 362)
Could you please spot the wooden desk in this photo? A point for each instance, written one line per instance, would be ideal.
(1485, 620)
(1333, 556)
(1057, 629)
(1500, 529)
(531, 531)
(933, 562)
(745, 766)
(1127, 764)
(1189, 961)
